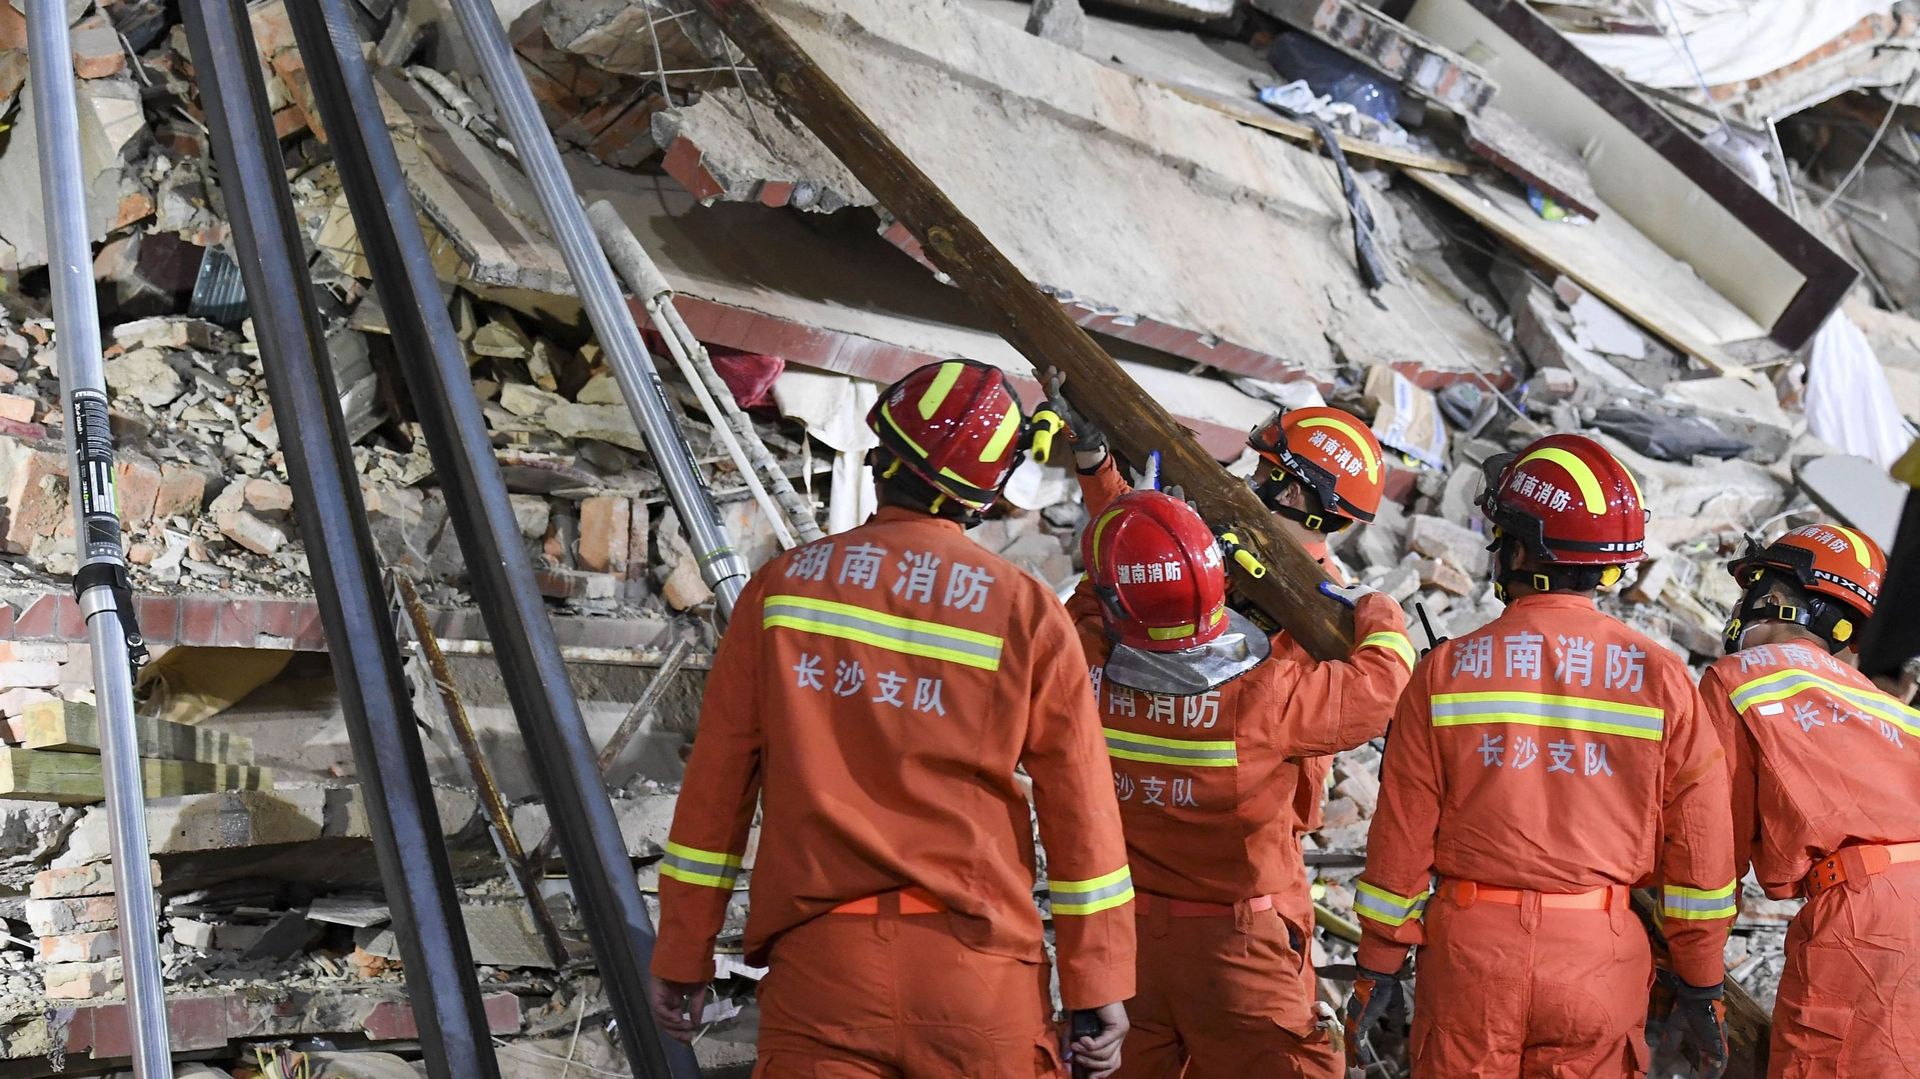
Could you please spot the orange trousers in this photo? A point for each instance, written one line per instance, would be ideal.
(886, 996)
(1505, 991)
(1849, 1001)
(1223, 997)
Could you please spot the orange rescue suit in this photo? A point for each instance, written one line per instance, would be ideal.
(1539, 767)
(876, 691)
(1208, 787)
(1823, 762)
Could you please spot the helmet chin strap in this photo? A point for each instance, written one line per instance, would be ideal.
(1832, 623)
(1551, 578)
(1318, 520)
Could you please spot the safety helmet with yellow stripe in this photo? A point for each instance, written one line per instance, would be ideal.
(1333, 454)
(1158, 571)
(1832, 572)
(955, 426)
(1572, 506)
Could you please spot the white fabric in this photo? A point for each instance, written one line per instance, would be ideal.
(1849, 404)
(833, 408)
(1732, 40)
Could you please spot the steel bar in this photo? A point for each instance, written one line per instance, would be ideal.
(100, 582)
(783, 505)
(491, 800)
(643, 709)
(535, 676)
(720, 566)
(367, 668)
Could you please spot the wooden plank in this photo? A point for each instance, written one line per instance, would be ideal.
(1040, 328)
(74, 778)
(73, 727)
(1616, 262)
(1254, 115)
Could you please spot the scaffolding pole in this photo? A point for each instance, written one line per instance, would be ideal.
(361, 640)
(100, 584)
(720, 566)
(531, 667)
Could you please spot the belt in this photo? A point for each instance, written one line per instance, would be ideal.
(1857, 863)
(1465, 893)
(1188, 908)
(904, 901)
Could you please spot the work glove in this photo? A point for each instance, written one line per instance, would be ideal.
(1088, 438)
(1375, 995)
(1697, 1026)
(1347, 595)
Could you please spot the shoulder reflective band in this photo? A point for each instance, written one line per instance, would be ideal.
(1128, 746)
(1698, 904)
(706, 868)
(1380, 905)
(1091, 896)
(1396, 643)
(1549, 710)
(908, 636)
(1781, 685)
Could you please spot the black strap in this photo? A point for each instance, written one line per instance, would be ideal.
(113, 577)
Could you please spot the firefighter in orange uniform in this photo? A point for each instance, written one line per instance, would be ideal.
(1826, 803)
(1539, 768)
(1206, 726)
(1321, 471)
(876, 692)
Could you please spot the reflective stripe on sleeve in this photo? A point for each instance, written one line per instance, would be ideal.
(1396, 643)
(1549, 710)
(1781, 685)
(706, 868)
(1380, 905)
(908, 636)
(1128, 746)
(1091, 896)
(1698, 904)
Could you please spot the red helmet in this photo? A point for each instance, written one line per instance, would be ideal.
(957, 425)
(1569, 501)
(1825, 559)
(1333, 453)
(1158, 571)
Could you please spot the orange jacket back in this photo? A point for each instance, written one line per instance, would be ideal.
(1554, 750)
(877, 690)
(1820, 758)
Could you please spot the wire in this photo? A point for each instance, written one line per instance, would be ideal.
(1872, 144)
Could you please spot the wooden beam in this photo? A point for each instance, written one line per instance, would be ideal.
(74, 778)
(72, 727)
(1034, 323)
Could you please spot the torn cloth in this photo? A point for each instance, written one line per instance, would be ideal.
(1849, 403)
(1732, 40)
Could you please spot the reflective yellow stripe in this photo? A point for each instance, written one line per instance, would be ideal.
(1589, 483)
(1548, 710)
(1780, 685)
(1698, 904)
(938, 389)
(1378, 904)
(1397, 643)
(1171, 633)
(908, 636)
(1150, 749)
(886, 412)
(1100, 527)
(1083, 897)
(997, 445)
(1366, 451)
(706, 868)
(1859, 546)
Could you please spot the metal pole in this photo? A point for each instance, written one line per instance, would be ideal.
(100, 584)
(361, 638)
(720, 566)
(435, 367)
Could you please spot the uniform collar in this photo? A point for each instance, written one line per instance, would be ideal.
(898, 514)
(1552, 601)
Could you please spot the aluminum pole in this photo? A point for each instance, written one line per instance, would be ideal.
(361, 641)
(435, 367)
(720, 566)
(100, 584)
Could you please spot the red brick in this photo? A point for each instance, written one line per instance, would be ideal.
(73, 623)
(36, 497)
(182, 490)
(309, 635)
(279, 618)
(239, 623)
(137, 486)
(606, 523)
(40, 619)
(200, 620)
(96, 49)
(159, 618)
(17, 408)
